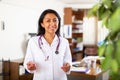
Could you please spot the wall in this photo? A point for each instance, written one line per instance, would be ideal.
(20, 18)
(81, 6)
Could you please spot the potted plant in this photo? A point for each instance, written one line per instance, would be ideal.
(108, 11)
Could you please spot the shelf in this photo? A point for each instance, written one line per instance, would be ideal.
(80, 51)
(75, 18)
(77, 34)
(77, 27)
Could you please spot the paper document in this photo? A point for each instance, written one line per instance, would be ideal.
(79, 69)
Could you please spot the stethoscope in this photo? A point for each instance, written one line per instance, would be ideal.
(41, 43)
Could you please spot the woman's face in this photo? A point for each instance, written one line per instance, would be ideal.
(50, 23)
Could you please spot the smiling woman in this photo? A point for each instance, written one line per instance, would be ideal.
(43, 55)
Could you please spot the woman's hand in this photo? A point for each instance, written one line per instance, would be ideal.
(31, 66)
(66, 67)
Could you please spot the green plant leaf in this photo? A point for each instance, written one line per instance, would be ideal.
(93, 11)
(116, 4)
(105, 21)
(109, 50)
(101, 11)
(107, 3)
(114, 23)
(115, 76)
(108, 57)
(118, 51)
(106, 63)
(114, 35)
(114, 65)
(101, 50)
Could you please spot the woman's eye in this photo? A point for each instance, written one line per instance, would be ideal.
(48, 21)
(55, 20)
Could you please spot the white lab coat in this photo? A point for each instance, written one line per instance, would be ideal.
(50, 69)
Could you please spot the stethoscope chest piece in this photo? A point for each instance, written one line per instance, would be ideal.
(56, 52)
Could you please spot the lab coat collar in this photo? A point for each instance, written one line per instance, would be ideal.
(53, 42)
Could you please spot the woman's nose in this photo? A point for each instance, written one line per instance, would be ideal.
(52, 22)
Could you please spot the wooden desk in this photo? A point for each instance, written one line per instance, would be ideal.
(15, 71)
(12, 68)
(83, 76)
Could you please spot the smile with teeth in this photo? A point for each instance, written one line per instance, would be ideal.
(52, 28)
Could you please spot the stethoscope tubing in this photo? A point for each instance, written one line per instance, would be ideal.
(41, 43)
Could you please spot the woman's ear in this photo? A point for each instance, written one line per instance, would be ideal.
(42, 25)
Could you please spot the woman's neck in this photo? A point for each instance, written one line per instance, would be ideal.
(49, 38)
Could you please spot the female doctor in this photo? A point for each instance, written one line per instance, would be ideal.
(48, 54)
